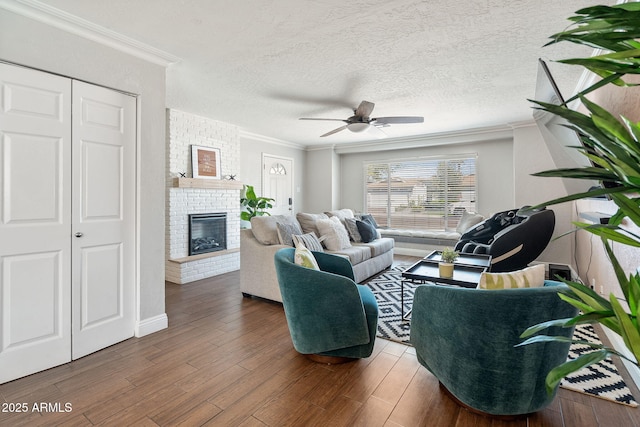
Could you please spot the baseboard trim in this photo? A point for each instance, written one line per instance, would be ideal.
(151, 325)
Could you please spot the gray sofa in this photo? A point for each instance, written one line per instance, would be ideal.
(259, 244)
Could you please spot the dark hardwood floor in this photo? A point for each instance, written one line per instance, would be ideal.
(226, 360)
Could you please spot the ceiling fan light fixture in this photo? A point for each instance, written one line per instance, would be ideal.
(358, 127)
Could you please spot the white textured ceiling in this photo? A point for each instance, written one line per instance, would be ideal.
(261, 65)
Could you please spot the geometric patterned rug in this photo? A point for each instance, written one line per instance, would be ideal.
(600, 380)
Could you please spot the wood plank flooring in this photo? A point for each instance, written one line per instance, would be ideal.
(226, 360)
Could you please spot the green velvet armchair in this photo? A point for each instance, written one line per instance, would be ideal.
(328, 314)
(467, 337)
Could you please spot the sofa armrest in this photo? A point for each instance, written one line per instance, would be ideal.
(257, 270)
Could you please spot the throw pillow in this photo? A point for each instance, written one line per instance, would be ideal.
(352, 229)
(305, 258)
(334, 233)
(264, 228)
(342, 214)
(467, 221)
(309, 240)
(286, 232)
(308, 222)
(367, 232)
(370, 219)
(530, 277)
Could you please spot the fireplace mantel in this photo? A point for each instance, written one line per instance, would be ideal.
(213, 184)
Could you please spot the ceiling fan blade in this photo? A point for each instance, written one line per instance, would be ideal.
(398, 119)
(365, 109)
(341, 128)
(330, 120)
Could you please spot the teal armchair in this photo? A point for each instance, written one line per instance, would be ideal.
(467, 337)
(328, 314)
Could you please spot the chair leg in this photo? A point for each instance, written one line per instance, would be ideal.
(329, 360)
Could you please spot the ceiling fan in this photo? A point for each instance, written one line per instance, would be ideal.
(362, 120)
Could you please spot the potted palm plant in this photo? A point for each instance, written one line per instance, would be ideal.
(445, 266)
(613, 146)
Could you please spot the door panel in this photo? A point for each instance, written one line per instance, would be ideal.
(277, 182)
(102, 197)
(35, 221)
(101, 268)
(26, 276)
(103, 217)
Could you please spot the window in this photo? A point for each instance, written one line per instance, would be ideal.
(422, 194)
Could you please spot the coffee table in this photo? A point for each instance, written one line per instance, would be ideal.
(466, 272)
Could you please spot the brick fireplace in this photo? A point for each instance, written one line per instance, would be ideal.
(187, 196)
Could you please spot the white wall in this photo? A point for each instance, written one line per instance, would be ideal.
(322, 176)
(31, 43)
(530, 155)
(252, 148)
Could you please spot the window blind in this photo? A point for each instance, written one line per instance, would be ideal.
(422, 194)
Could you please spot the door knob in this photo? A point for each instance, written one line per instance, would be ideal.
(79, 234)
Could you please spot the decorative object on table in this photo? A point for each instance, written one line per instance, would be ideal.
(613, 148)
(254, 205)
(182, 174)
(230, 177)
(445, 266)
(205, 162)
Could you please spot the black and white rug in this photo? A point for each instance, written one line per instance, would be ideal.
(600, 380)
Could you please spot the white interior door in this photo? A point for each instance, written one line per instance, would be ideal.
(35, 221)
(277, 183)
(104, 135)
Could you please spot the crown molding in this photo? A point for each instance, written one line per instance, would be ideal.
(466, 136)
(57, 18)
(269, 140)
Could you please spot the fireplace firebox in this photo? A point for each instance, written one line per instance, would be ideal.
(207, 233)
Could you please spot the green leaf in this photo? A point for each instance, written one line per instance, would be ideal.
(250, 192)
(629, 331)
(559, 372)
(544, 325)
(629, 206)
(610, 232)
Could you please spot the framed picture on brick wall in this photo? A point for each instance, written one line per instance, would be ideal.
(205, 162)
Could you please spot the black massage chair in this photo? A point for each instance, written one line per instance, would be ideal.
(513, 238)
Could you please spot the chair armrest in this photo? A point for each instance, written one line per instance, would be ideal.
(334, 264)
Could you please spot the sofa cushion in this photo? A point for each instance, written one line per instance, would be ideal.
(305, 258)
(308, 222)
(334, 234)
(356, 253)
(379, 246)
(352, 229)
(309, 240)
(530, 277)
(366, 231)
(370, 219)
(265, 230)
(341, 214)
(287, 231)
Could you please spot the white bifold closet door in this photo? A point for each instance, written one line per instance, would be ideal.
(67, 219)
